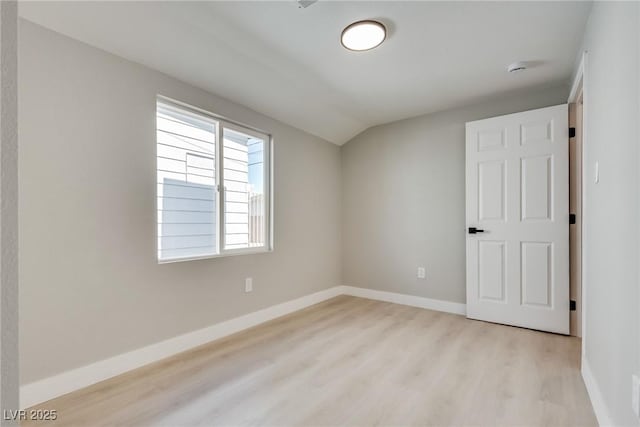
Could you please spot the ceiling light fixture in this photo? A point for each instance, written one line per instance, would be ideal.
(363, 35)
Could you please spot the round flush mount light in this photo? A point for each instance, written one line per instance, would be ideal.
(363, 35)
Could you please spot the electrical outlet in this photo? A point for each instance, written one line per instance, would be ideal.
(248, 284)
(421, 273)
(635, 394)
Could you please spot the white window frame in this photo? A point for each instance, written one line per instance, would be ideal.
(221, 124)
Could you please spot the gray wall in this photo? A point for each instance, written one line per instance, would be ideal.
(9, 209)
(90, 284)
(403, 199)
(612, 215)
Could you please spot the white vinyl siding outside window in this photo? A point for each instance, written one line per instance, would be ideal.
(198, 217)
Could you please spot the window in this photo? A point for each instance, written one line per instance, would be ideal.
(198, 217)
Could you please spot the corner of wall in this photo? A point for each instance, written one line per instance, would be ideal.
(9, 381)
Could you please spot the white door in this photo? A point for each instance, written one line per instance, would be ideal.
(518, 205)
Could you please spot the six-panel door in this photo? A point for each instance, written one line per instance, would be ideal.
(517, 191)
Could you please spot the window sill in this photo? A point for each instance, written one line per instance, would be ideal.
(230, 253)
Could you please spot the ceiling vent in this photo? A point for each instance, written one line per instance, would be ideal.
(303, 4)
(517, 67)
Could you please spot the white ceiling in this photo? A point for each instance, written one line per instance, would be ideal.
(287, 62)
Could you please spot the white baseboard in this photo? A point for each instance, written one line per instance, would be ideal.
(597, 401)
(66, 382)
(414, 301)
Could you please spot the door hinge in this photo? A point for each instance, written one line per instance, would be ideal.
(572, 132)
(572, 218)
(572, 305)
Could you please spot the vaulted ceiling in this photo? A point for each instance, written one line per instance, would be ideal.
(287, 62)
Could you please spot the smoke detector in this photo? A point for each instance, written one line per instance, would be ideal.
(516, 67)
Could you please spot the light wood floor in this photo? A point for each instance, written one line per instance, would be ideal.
(351, 361)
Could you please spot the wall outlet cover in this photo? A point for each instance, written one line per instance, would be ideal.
(421, 273)
(248, 284)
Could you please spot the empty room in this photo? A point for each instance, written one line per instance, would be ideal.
(320, 213)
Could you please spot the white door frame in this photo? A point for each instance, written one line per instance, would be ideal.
(579, 86)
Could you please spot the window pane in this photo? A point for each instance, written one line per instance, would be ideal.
(186, 187)
(243, 165)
